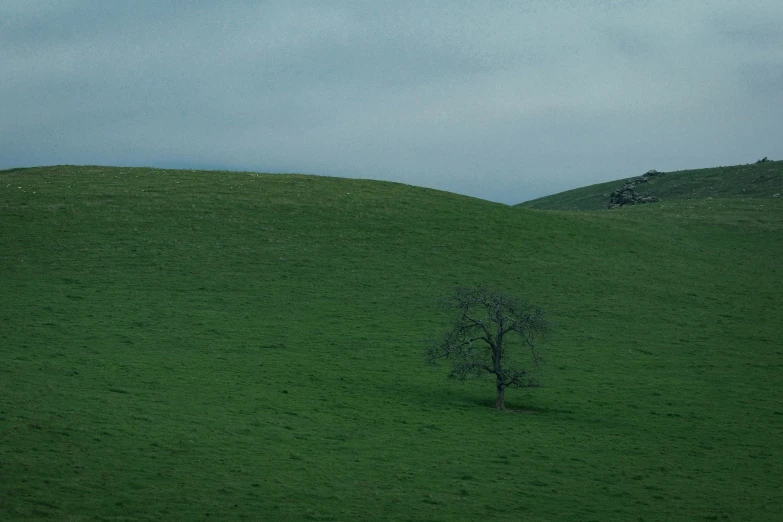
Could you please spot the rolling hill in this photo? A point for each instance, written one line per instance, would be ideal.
(200, 345)
(758, 180)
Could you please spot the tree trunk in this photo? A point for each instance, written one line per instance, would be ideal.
(500, 402)
(497, 351)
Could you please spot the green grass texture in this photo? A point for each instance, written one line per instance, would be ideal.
(757, 180)
(193, 345)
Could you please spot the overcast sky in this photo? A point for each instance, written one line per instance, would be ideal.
(505, 101)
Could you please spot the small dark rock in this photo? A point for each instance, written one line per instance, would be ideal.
(626, 195)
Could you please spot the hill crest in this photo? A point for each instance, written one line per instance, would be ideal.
(762, 179)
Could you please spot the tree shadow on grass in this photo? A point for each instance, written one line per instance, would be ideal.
(452, 396)
(430, 396)
(526, 407)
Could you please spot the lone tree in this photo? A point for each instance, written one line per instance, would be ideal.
(493, 333)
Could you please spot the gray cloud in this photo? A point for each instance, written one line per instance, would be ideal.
(483, 98)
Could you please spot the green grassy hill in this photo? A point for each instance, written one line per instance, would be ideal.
(758, 180)
(184, 345)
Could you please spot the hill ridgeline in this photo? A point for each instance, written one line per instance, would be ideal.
(763, 179)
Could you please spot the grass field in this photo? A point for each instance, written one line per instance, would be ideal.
(757, 180)
(183, 345)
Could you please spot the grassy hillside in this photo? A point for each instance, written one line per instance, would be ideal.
(758, 180)
(183, 345)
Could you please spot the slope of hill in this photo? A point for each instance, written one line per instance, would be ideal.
(758, 180)
(234, 346)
